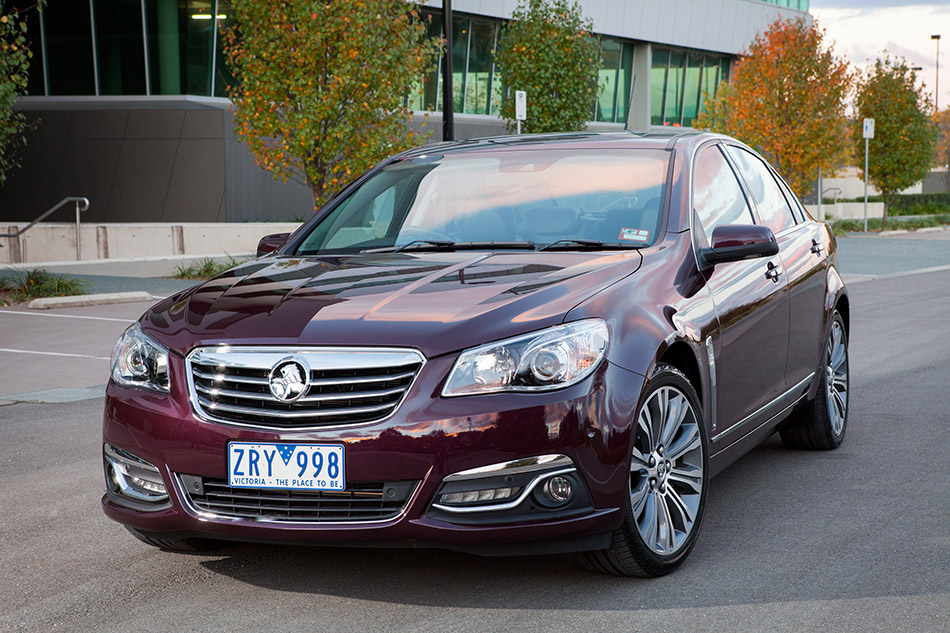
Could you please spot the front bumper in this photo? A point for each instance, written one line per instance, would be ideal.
(427, 440)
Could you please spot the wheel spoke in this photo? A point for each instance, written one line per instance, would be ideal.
(645, 422)
(659, 420)
(638, 497)
(682, 508)
(648, 521)
(840, 406)
(686, 442)
(638, 462)
(691, 476)
(664, 525)
(678, 408)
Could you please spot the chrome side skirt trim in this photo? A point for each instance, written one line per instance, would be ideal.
(767, 406)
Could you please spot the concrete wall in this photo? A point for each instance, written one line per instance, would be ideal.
(57, 242)
(846, 211)
(156, 159)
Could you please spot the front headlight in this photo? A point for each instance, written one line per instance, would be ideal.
(550, 359)
(139, 361)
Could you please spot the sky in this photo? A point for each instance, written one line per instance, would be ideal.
(863, 29)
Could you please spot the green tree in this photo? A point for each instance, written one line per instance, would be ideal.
(548, 50)
(15, 58)
(902, 150)
(321, 85)
(786, 98)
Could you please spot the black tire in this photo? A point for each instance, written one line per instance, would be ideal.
(678, 486)
(822, 422)
(188, 545)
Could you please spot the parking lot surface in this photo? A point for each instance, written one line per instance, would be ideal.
(856, 539)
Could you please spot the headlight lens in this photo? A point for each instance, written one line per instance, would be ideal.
(550, 359)
(139, 361)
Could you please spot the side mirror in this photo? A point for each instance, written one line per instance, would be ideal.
(734, 242)
(270, 243)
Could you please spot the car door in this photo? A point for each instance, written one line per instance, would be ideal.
(750, 301)
(803, 257)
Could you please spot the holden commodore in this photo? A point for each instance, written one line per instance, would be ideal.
(510, 345)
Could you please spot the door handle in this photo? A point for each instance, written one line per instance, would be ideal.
(816, 248)
(773, 273)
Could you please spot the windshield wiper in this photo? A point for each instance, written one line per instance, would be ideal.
(448, 245)
(583, 244)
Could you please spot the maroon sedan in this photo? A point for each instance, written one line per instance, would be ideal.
(512, 345)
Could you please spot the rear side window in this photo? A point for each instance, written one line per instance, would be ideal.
(717, 196)
(774, 211)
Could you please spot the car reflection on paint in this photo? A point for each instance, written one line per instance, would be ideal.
(513, 345)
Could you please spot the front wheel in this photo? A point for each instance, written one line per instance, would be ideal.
(667, 485)
(823, 421)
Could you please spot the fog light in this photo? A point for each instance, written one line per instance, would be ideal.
(132, 476)
(478, 496)
(557, 489)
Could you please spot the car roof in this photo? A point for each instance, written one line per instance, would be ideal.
(652, 139)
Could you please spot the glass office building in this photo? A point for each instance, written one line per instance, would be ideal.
(174, 47)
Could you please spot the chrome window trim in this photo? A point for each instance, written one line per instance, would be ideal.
(348, 356)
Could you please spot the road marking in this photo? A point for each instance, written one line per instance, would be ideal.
(66, 316)
(27, 351)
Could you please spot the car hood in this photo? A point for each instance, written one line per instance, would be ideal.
(435, 302)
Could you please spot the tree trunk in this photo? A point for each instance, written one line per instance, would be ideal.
(888, 198)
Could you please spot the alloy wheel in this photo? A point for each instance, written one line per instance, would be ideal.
(836, 378)
(666, 471)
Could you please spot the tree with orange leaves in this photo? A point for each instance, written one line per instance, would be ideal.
(322, 84)
(942, 157)
(786, 98)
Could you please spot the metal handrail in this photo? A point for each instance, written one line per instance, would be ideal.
(82, 204)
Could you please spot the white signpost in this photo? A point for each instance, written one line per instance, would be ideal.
(868, 135)
(521, 107)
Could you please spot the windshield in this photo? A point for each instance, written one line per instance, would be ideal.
(513, 198)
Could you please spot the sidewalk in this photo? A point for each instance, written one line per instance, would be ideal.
(153, 275)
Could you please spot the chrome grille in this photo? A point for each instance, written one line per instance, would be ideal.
(346, 385)
(361, 501)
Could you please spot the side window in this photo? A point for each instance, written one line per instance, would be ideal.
(717, 196)
(797, 209)
(773, 208)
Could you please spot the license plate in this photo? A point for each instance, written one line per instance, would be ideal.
(286, 466)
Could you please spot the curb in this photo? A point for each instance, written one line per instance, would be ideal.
(80, 301)
(894, 232)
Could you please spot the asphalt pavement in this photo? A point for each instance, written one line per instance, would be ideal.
(856, 539)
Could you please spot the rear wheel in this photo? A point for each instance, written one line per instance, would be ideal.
(668, 482)
(822, 423)
(177, 545)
